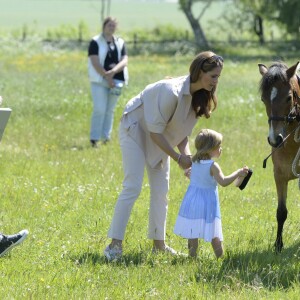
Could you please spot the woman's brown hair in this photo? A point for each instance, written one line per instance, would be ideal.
(203, 101)
(107, 20)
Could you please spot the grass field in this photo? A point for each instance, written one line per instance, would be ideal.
(50, 13)
(40, 16)
(63, 191)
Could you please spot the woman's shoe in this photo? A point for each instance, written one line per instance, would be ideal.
(94, 143)
(167, 250)
(112, 254)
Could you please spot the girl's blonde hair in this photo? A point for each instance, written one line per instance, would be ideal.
(206, 141)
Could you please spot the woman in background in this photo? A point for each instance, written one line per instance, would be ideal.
(107, 68)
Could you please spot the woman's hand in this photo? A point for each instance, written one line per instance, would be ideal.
(184, 161)
(109, 78)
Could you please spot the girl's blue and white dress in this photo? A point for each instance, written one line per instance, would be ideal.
(199, 215)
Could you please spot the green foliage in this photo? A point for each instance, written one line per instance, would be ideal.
(224, 21)
(288, 17)
(281, 12)
(159, 33)
(67, 31)
(64, 191)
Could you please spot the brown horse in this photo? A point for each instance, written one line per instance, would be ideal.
(280, 93)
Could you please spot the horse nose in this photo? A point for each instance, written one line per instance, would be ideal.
(278, 141)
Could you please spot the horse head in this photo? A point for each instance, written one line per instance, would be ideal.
(280, 93)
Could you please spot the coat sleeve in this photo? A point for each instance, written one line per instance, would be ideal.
(160, 102)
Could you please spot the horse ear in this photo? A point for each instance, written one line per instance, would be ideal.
(262, 69)
(292, 70)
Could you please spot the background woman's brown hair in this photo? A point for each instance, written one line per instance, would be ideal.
(107, 20)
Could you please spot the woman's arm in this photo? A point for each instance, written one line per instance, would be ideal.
(226, 180)
(118, 67)
(96, 64)
(183, 160)
(184, 147)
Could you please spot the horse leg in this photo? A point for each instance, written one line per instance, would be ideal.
(282, 212)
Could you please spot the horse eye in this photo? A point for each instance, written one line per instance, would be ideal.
(289, 98)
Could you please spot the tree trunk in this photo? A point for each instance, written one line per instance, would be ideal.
(102, 10)
(199, 34)
(105, 13)
(259, 28)
(108, 8)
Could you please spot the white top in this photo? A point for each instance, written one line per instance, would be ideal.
(94, 76)
(162, 107)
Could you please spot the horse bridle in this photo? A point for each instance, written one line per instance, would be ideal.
(294, 114)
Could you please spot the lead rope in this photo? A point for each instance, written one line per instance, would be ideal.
(296, 159)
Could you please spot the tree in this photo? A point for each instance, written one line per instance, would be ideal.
(260, 9)
(285, 12)
(105, 9)
(288, 14)
(186, 7)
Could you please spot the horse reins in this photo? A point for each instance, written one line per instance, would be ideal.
(284, 140)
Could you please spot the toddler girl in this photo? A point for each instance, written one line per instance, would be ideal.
(199, 215)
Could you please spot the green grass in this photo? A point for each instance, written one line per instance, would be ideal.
(64, 16)
(64, 192)
(45, 14)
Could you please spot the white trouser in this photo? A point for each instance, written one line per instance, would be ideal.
(134, 163)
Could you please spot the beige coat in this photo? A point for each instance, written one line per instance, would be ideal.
(163, 107)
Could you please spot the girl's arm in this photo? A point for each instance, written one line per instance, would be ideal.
(223, 180)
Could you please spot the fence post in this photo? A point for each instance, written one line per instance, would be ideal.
(135, 41)
(24, 32)
(80, 33)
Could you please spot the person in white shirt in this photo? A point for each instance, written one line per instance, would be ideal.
(107, 69)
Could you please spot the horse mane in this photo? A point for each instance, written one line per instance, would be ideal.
(277, 71)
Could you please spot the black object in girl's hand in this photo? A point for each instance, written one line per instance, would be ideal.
(246, 179)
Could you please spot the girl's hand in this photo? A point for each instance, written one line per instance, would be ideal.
(187, 173)
(243, 171)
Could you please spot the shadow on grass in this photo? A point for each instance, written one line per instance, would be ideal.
(97, 258)
(132, 259)
(256, 269)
